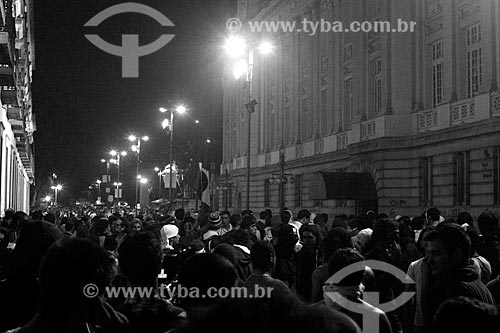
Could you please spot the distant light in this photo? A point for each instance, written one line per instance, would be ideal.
(145, 138)
(143, 180)
(208, 141)
(47, 198)
(58, 187)
(157, 169)
(98, 181)
(113, 152)
(134, 148)
(132, 137)
(266, 48)
(196, 121)
(240, 68)
(123, 153)
(163, 109)
(113, 160)
(115, 183)
(181, 109)
(235, 46)
(103, 160)
(139, 176)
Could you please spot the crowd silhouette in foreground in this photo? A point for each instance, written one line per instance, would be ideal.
(50, 263)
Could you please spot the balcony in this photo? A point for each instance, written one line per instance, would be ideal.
(9, 97)
(368, 130)
(6, 54)
(463, 112)
(495, 105)
(17, 127)
(342, 141)
(7, 76)
(13, 113)
(427, 120)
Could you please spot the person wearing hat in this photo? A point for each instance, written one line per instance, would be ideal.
(214, 224)
(250, 225)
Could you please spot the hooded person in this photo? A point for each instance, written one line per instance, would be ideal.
(169, 233)
(243, 263)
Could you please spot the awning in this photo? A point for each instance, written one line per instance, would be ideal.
(343, 185)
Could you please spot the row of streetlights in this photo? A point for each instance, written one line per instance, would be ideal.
(56, 189)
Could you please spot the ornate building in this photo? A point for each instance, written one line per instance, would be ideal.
(346, 122)
(17, 59)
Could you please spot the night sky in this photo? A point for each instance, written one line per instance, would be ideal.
(83, 106)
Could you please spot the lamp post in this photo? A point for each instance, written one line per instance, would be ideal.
(137, 148)
(107, 169)
(157, 170)
(181, 109)
(236, 46)
(56, 189)
(117, 158)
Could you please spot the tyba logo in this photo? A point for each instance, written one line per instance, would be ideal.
(129, 51)
(370, 319)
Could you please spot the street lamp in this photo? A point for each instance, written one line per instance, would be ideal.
(137, 148)
(56, 189)
(236, 47)
(169, 125)
(157, 170)
(116, 157)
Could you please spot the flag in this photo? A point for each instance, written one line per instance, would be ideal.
(204, 187)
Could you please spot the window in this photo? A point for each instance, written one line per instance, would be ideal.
(437, 84)
(473, 35)
(474, 77)
(377, 85)
(496, 176)
(348, 104)
(437, 73)
(461, 179)
(473, 60)
(298, 191)
(229, 194)
(324, 111)
(437, 50)
(266, 193)
(426, 181)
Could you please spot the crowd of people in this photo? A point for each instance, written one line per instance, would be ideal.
(47, 261)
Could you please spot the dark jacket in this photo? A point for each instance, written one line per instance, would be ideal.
(244, 264)
(489, 248)
(462, 282)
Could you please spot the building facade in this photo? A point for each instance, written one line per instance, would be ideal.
(346, 122)
(17, 123)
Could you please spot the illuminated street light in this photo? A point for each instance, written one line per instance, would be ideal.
(169, 123)
(265, 48)
(143, 181)
(157, 170)
(56, 189)
(137, 148)
(236, 46)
